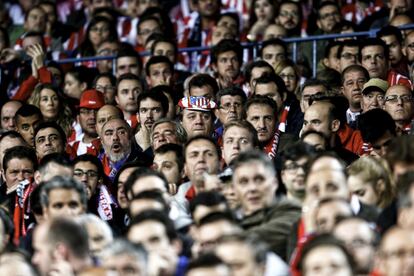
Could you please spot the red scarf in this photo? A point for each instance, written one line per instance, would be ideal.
(21, 207)
(271, 148)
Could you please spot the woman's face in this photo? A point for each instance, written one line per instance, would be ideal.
(49, 104)
(98, 34)
(263, 10)
(289, 77)
(364, 190)
(72, 87)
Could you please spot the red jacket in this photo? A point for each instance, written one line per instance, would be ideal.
(351, 139)
(28, 85)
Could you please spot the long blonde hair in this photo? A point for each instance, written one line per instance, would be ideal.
(64, 119)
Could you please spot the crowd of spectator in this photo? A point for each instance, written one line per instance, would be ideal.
(225, 161)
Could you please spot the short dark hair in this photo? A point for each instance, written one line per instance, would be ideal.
(20, 152)
(374, 123)
(210, 198)
(227, 45)
(353, 68)
(108, 75)
(11, 134)
(347, 43)
(390, 30)
(328, 48)
(157, 216)
(272, 77)
(202, 137)
(161, 39)
(201, 80)
(51, 124)
(254, 156)
(128, 76)
(128, 51)
(296, 151)
(157, 96)
(28, 110)
(234, 16)
(261, 100)
(314, 82)
(158, 59)
(205, 260)
(55, 157)
(177, 149)
(373, 41)
(255, 64)
(92, 159)
(402, 150)
(326, 3)
(139, 173)
(152, 195)
(70, 233)
(231, 91)
(246, 125)
(273, 42)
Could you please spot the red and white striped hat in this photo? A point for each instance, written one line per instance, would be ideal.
(197, 103)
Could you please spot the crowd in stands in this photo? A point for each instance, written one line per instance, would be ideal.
(226, 161)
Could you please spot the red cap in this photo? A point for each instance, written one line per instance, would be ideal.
(92, 99)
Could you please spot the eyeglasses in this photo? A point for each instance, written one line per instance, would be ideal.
(394, 98)
(229, 106)
(294, 166)
(89, 174)
(327, 15)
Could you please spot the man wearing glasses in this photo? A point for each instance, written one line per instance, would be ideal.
(398, 102)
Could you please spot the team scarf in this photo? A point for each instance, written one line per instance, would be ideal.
(111, 169)
(21, 208)
(105, 200)
(271, 148)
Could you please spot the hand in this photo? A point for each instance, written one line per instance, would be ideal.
(172, 188)
(37, 54)
(143, 137)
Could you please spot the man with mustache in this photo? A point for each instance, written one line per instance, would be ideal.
(353, 79)
(226, 61)
(152, 105)
(116, 142)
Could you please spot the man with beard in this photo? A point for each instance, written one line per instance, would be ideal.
(90, 102)
(116, 142)
(353, 79)
(152, 105)
(226, 61)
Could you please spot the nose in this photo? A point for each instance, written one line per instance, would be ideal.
(261, 123)
(236, 145)
(20, 176)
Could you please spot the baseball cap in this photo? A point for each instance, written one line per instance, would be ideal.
(375, 84)
(197, 103)
(92, 99)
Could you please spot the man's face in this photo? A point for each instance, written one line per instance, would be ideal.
(327, 258)
(273, 54)
(164, 133)
(166, 163)
(107, 48)
(325, 183)
(7, 115)
(235, 141)
(105, 86)
(165, 49)
(116, 139)
(288, 16)
(87, 121)
(256, 73)
(274, 31)
(220, 33)
(147, 28)
(48, 140)
(329, 214)
(270, 90)
(317, 118)
(123, 264)
(398, 103)
(381, 146)
(149, 112)
(203, 91)
(121, 196)
(26, 125)
(105, 114)
(197, 122)
(348, 57)
(17, 171)
(255, 186)
(127, 94)
(127, 65)
(395, 48)
(307, 93)
(352, 86)
(239, 257)
(5, 144)
(229, 22)
(42, 256)
(151, 234)
(408, 49)
(87, 173)
(208, 8)
(231, 108)
(36, 21)
(372, 100)
(63, 203)
(359, 239)
(228, 65)
(396, 253)
(293, 176)
(263, 119)
(209, 234)
(160, 74)
(200, 157)
(328, 17)
(147, 183)
(375, 61)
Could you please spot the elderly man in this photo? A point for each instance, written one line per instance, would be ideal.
(398, 102)
(7, 115)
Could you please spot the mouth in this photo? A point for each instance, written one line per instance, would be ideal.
(116, 147)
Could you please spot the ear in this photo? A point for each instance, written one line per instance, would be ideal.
(37, 177)
(335, 125)
(61, 252)
(318, 23)
(214, 67)
(216, 112)
(404, 50)
(380, 186)
(285, 96)
(83, 86)
(342, 90)
(325, 62)
(148, 80)
(45, 213)
(116, 99)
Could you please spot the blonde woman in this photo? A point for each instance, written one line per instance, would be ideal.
(370, 180)
(52, 106)
(289, 72)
